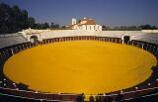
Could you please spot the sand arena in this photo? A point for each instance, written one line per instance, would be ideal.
(89, 67)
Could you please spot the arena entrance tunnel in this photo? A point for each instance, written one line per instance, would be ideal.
(34, 39)
(126, 39)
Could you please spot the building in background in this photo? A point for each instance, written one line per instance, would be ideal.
(85, 24)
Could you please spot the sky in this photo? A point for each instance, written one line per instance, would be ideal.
(106, 12)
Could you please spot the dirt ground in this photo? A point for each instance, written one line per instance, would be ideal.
(89, 67)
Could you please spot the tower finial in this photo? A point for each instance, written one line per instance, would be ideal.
(74, 21)
(85, 18)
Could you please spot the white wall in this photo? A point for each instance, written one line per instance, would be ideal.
(150, 31)
(135, 35)
(62, 33)
(11, 39)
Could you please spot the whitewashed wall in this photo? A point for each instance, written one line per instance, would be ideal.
(150, 31)
(11, 39)
(135, 35)
(64, 33)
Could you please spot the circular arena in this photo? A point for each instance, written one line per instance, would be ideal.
(80, 68)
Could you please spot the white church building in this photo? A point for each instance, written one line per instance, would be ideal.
(85, 24)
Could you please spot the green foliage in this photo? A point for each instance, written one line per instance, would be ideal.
(31, 22)
(54, 26)
(141, 27)
(13, 19)
(147, 26)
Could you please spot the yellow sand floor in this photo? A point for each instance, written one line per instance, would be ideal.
(91, 67)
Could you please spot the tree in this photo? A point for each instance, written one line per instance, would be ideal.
(14, 19)
(31, 22)
(104, 27)
(63, 27)
(147, 26)
(4, 17)
(45, 25)
(56, 26)
(52, 25)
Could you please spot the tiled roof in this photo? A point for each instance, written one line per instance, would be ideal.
(87, 22)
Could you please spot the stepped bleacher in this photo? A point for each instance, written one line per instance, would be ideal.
(11, 39)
